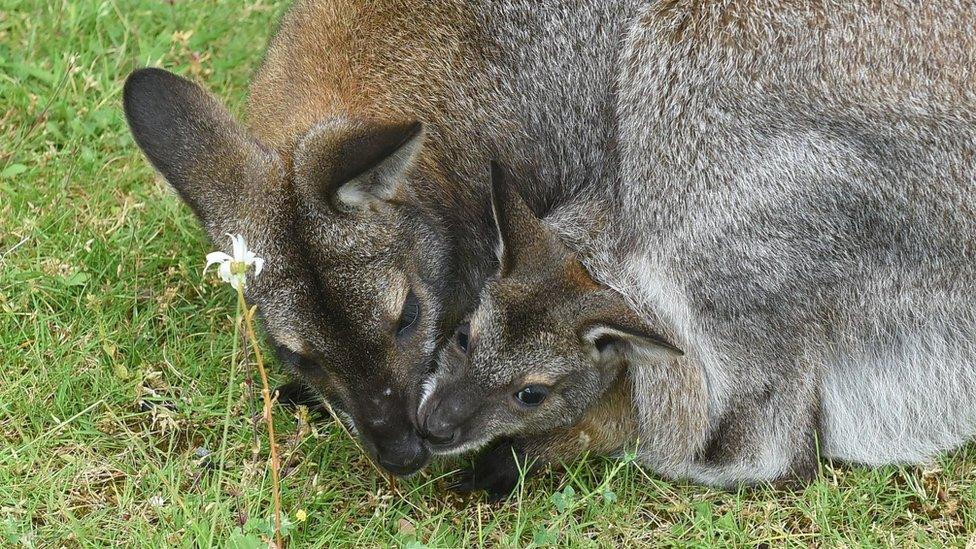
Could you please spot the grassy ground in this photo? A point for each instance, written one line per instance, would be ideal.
(114, 353)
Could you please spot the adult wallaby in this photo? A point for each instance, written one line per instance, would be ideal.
(362, 175)
(798, 214)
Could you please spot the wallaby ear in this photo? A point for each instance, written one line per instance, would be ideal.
(520, 232)
(206, 155)
(357, 163)
(609, 342)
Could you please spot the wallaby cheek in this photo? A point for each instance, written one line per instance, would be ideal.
(574, 403)
(328, 388)
(498, 421)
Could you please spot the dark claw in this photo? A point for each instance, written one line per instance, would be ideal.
(463, 482)
(296, 393)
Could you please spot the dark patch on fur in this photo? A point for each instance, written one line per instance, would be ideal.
(496, 471)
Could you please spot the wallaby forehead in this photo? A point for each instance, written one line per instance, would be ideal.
(359, 291)
(328, 292)
(342, 321)
(508, 352)
(542, 358)
(526, 339)
(532, 306)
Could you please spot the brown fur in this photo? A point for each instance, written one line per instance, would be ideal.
(609, 428)
(363, 219)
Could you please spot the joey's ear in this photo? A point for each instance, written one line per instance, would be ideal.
(354, 163)
(206, 155)
(521, 235)
(608, 341)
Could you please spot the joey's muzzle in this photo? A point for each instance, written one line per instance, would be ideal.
(444, 417)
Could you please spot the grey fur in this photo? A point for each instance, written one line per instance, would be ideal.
(796, 210)
(799, 209)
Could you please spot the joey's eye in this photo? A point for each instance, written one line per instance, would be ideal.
(462, 335)
(409, 315)
(533, 395)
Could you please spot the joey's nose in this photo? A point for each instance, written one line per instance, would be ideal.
(440, 424)
(440, 434)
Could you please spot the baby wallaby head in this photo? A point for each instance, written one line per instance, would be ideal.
(544, 344)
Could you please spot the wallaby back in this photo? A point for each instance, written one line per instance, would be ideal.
(798, 205)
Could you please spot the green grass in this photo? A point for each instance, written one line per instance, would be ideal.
(114, 353)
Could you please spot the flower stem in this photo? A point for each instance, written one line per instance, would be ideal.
(268, 419)
(230, 403)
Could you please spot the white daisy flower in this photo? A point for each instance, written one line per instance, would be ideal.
(233, 268)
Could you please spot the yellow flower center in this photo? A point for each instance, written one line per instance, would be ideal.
(238, 267)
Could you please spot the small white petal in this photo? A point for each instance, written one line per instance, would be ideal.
(215, 257)
(241, 260)
(248, 257)
(240, 247)
(224, 271)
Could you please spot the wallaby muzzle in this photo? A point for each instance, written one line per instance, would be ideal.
(444, 415)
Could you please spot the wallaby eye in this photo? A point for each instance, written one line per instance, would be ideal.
(604, 342)
(462, 335)
(533, 395)
(410, 313)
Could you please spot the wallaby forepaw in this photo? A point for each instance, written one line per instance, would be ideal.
(497, 484)
(495, 472)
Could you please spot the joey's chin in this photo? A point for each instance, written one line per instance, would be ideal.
(458, 447)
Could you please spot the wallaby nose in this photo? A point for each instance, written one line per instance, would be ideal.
(439, 425)
(404, 456)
